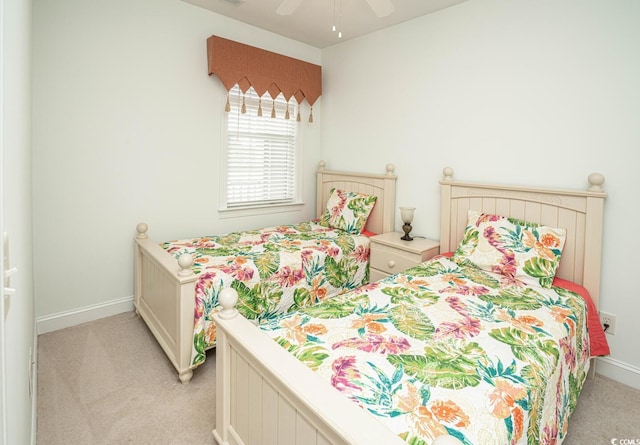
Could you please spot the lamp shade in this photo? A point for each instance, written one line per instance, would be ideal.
(406, 213)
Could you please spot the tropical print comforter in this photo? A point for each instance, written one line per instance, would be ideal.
(273, 269)
(444, 349)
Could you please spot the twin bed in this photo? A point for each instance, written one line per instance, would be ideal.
(275, 269)
(490, 343)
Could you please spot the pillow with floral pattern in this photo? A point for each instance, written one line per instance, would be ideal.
(347, 211)
(526, 252)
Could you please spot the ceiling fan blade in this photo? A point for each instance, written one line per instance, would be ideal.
(381, 8)
(287, 7)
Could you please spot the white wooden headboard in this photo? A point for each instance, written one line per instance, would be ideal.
(383, 186)
(581, 212)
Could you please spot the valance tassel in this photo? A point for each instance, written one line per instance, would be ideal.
(227, 107)
(244, 106)
(298, 116)
(286, 114)
(260, 107)
(273, 110)
(311, 115)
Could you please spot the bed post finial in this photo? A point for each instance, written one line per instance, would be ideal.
(448, 174)
(595, 182)
(390, 170)
(142, 231)
(185, 261)
(321, 166)
(228, 297)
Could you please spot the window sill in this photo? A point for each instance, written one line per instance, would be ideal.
(260, 210)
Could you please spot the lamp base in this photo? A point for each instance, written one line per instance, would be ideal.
(406, 228)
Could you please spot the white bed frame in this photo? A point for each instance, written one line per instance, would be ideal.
(165, 288)
(266, 396)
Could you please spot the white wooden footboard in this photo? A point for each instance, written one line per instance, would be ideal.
(164, 298)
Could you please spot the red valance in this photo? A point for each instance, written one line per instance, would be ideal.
(248, 66)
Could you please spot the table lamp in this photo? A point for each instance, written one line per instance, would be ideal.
(406, 213)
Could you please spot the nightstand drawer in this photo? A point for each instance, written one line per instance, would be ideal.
(390, 254)
(392, 260)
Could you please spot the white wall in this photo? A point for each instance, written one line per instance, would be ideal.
(127, 128)
(529, 93)
(15, 142)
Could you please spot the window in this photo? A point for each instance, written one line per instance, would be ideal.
(260, 160)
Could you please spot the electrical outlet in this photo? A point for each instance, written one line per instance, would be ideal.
(608, 323)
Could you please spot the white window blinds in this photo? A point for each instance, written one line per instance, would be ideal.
(261, 150)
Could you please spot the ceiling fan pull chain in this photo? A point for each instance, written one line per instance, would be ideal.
(333, 28)
(340, 21)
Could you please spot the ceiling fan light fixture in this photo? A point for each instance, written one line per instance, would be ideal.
(381, 8)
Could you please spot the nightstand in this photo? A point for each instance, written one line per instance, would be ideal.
(390, 254)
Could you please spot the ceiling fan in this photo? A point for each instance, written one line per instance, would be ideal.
(381, 8)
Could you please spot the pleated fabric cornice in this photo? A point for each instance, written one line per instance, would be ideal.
(265, 71)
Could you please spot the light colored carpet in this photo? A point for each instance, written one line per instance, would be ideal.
(108, 382)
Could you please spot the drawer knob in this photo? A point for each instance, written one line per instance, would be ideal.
(391, 263)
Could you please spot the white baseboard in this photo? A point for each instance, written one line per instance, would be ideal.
(61, 320)
(619, 371)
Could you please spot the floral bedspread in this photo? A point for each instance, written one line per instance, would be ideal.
(447, 349)
(274, 270)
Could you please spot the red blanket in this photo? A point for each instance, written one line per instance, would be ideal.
(597, 337)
